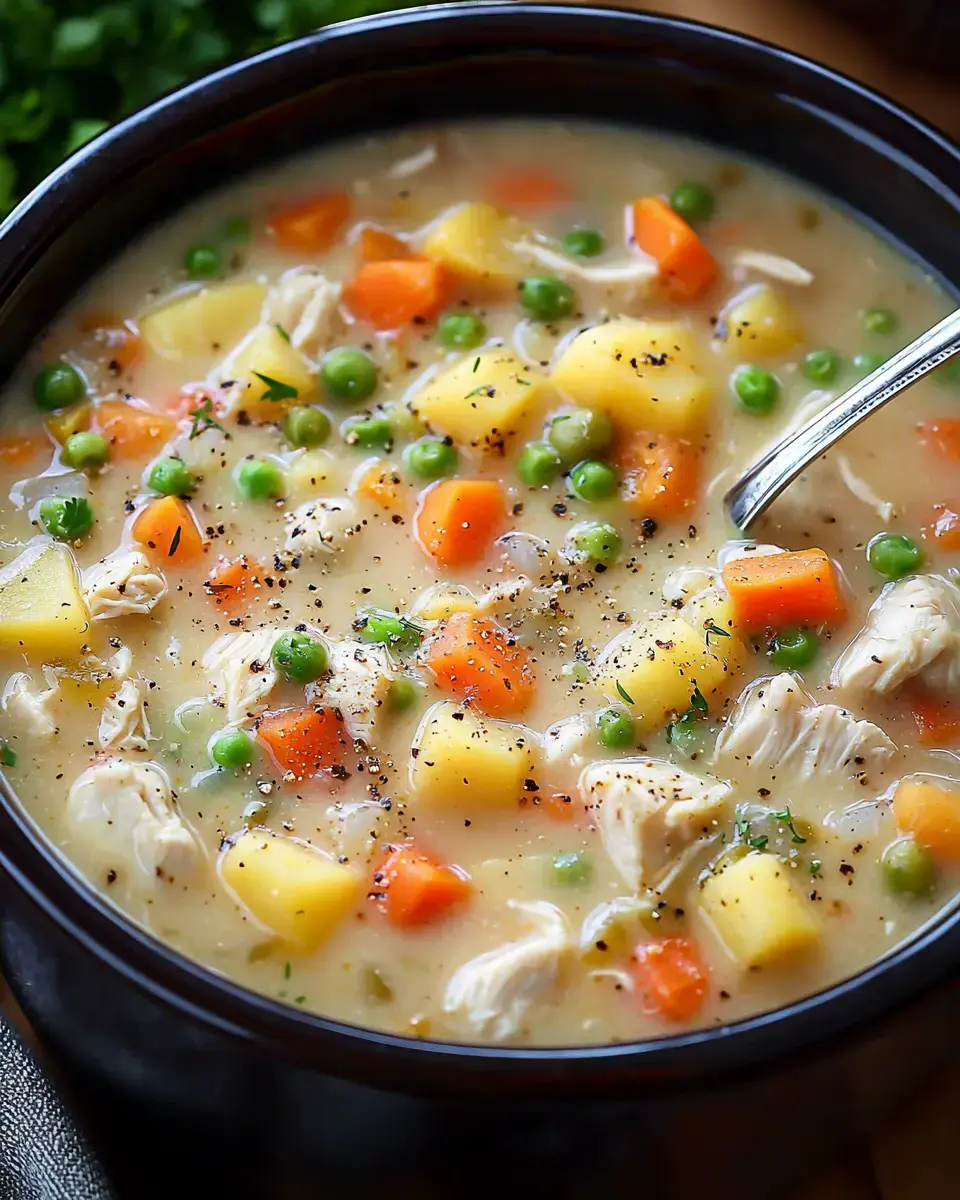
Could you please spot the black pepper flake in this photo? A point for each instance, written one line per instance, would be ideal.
(559, 509)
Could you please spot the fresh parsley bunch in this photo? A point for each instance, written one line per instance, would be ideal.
(69, 68)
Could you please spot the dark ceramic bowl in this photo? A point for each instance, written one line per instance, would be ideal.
(172, 1060)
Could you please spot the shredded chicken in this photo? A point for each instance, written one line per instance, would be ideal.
(649, 812)
(305, 304)
(778, 728)
(241, 672)
(912, 628)
(358, 684)
(634, 274)
(124, 812)
(494, 991)
(322, 526)
(123, 584)
(29, 706)
(773, 265)
(124, 724)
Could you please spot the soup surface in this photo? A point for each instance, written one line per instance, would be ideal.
(371, 628)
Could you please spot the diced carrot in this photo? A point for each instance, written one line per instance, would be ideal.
(473, 658)
(527, 187)
(234, 586)
(169, 530)
(20, 449)
(797, 587)
(942, 436)
(312, 224)
(944, 527)
(191, 397)
(132, 432)
(687, 267)
(116, 342)
(457, 519)
(932, 814)
(377, 245)
(303, 741)
(672, 977)
(76, 418)
(661, 475)
(413, 890)
(396, 292)
(937, 717)
(381, 484)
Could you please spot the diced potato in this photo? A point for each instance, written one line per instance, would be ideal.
(266, 352)
(758, 915)
(295, 890)
(654, 666)
(462, 760)
(42, 609)
(442, 600)
(758, 323)
(72, 420)
(644, 374)
(309, 474)
(473, 240)
(480, 400)
(205, 323)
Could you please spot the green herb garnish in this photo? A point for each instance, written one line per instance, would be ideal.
(698, 702)
(283, 333)
(204, 419)
(276, 389)
(787, 818)
(175, 541)
(624, 694)
(714, 630)
(8, 757)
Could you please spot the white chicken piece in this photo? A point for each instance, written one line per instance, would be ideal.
(912, 628)
(778, 728)
(123, 584)
(358, 685)
(124, 812)
(773, 265)
(304, 303)
(241, 672)
(634, 275)
(124, 724)
(322, 526)
(495, 990)
(29, 706)
(566, 746)
(649, 813)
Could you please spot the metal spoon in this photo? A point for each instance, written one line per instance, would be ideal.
(756, 490)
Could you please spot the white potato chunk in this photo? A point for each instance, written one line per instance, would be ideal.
(124, 584)
(124, 812)
(124, 724)
(305, 304)
(912, 628)
(358, 684)
(494, 991)
(29, 706)
(322, 526)
(241, 672)
(649, 811)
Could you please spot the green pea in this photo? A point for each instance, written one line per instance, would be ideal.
(793, 649)
(584, 243)
(300, 657)
(866, 363)
(399, 633)
(692, 201)
(66, 518)
(545, 297)
(582, 433)
(369, 432)
(306, 426)
(908, 868)
(172, 477)
(58, 386)
(538, 465)
(880, 321)
(461, 331)
(259, 479)
(232, 748)
(85, 451)
(403, 694)
(757, 390)
(203, 262)
(894, 555)
(236, 229)
(821, 366)
(570, 869)
(617, 728)
(598, 542)
(431, 458)
(594, 481)
(349, 373)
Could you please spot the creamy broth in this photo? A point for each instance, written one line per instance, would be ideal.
(373, 957)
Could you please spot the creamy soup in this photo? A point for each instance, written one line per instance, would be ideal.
(372, 631)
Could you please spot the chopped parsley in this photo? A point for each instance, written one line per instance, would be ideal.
(276, 389)
(8, 757)
(714, 630)
(786, 817)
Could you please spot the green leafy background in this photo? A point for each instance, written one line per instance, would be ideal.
(68, 70)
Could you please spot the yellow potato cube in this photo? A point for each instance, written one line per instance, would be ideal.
(758, 323)
(267, 376)
(756, 912)
(442, 600)
(293, 889)
(480, 400)
(462, 760)
(654, 666)
(42, 609)
(204, 323)
(644, 374)
(309, 474)
(473, 240)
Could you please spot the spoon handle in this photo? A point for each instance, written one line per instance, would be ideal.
(767, 478)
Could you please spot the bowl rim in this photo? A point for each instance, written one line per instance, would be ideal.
(54, 886)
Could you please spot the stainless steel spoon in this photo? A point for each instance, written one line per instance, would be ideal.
(756, 490)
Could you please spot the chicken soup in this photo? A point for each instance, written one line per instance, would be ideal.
(371, 628)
